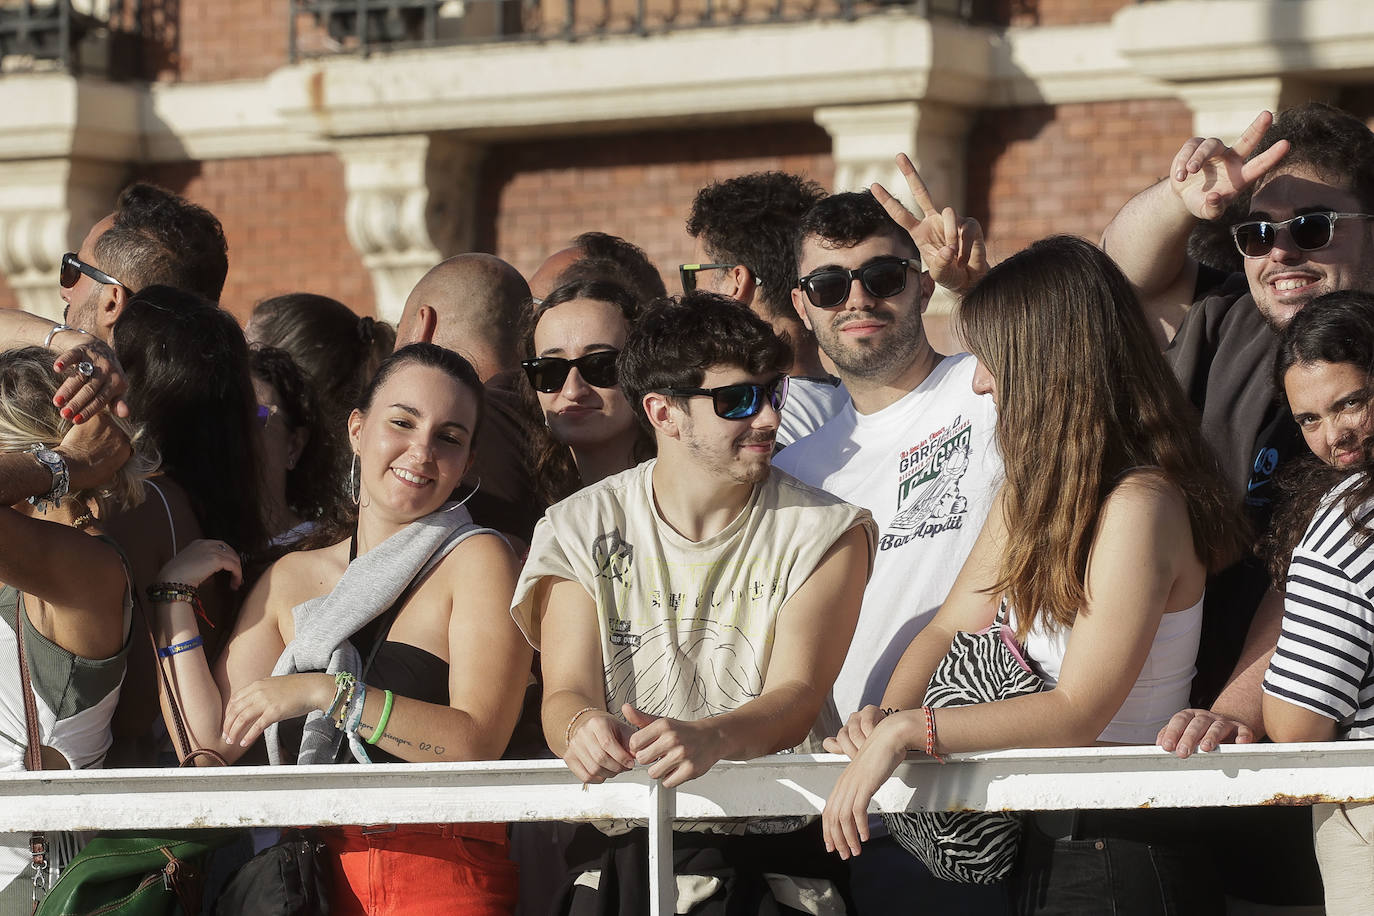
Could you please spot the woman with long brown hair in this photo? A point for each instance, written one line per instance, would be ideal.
(1110, 516)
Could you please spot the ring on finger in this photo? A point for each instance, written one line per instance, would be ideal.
(85, 369)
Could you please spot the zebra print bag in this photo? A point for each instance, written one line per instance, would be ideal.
(970, 847)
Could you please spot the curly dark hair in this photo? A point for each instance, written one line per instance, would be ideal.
(678, 339)
(609, 257)
(314, 490)
(1335, 328)
(845, 220)
(190, 387)
(752, 220)
(1331, 142)
(161, 239)
(555, 471)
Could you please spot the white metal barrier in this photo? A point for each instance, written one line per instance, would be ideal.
(1026, 780)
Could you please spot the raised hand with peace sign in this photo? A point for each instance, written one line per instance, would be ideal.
(952, 249)
(1207, 174)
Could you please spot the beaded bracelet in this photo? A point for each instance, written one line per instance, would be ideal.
(168, 592)
(930, 734)
(355, 711)
(195, 642)
(385, 717)
(572, 723)
(343, 691)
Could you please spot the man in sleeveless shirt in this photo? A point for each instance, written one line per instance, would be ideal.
(695, 609)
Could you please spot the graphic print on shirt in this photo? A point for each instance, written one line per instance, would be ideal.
(656, 671)
(612, 555)
(928, 496)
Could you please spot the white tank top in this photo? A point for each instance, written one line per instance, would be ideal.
(1162, 688)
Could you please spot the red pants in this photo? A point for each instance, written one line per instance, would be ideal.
(421, 869)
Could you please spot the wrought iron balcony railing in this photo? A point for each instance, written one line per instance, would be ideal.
(324, 27)
(79, 36)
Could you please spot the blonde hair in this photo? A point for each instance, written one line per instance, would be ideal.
(28, 418)
(1083, 398)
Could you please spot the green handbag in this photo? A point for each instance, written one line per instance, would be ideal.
(131, 874)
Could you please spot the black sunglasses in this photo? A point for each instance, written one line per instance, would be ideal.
(883, 278)
(738, 402)
(73, 267)
(548, 373)
(688, 273)
(1309, 231)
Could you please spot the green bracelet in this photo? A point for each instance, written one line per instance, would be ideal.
(381, 723)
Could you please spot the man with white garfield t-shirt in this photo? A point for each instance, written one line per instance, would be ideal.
(915, 446)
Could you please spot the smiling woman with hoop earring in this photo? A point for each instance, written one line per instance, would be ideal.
(391, 643)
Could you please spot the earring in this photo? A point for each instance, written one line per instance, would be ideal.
(355, 480)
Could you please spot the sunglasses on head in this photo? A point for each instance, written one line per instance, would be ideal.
(1309, 231)
(688, 273)
(738, 402)
(73, 267)
(548, 373)
(882, 278)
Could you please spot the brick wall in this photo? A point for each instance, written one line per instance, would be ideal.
(200, 41)
(1068, 168)
(284, 219)
(7, 300)
(536, 196)
(1059, 12)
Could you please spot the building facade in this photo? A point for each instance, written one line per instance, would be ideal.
(347, 146)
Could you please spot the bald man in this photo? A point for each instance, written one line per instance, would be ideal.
(474, 304)
(599, 256)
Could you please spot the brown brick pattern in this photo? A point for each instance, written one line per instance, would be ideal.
(1058, 12)
(284, 219)
(536, 196)
(1068, 168)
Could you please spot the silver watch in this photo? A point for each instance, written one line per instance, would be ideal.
(61, 481)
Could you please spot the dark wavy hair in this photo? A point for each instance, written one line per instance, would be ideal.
(190, 388)
(845, 220)
(677, 339)
(1335, 328)
(161, 239)
(609, 257)
(1084, 396)
(314, 491)
(555, 471)
(334, 530)
(1331, 142)
(752, 220)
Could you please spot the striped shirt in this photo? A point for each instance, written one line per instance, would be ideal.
(1325, 657)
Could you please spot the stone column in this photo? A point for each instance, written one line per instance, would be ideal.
(865, 138)
(410, 205)
(1224, 108)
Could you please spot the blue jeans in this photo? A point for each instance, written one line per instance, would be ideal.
(886, 879)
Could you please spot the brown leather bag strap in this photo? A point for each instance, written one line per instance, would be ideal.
(33, 752)
(33, 749)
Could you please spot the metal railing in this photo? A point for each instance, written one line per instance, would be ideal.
(1035, 780)
(94, 36)
(324, 27)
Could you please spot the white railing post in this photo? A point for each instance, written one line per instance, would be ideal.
(662, 884)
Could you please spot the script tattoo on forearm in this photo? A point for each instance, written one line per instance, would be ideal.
(437, 749)
(396, 738)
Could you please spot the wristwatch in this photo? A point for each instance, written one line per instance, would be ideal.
(60, 479)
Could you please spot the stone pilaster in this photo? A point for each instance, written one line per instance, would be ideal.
(410, 205)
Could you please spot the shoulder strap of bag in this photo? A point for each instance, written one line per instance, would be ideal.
(33, 754)
(182, 740)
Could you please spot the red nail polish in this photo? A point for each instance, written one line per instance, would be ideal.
(59, 400)
(76, 419)
(58, 367)
(67, 412)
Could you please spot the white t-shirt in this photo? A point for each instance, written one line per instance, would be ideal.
(927, 467)
(810, 403)
(1325, 655)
